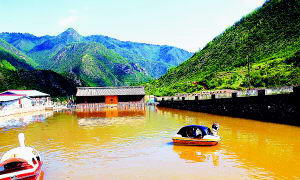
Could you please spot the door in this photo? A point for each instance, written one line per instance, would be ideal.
(111, 99)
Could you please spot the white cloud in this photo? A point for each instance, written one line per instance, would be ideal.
(69, 20)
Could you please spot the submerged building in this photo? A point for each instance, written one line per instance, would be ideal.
(37, 97)
(14, 101)
(21, 101)
(110, 95)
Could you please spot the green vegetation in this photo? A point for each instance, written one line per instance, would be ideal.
(91, 61)
(42, 80)
(15, 73)
(13, 60)
(9, 52)
(6, 65)
(144, 61)
(268, 40)
(261, 50)
(96, 65)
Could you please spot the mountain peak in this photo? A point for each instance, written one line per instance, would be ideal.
(70, 34)
(70, 31)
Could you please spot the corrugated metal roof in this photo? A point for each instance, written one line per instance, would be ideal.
(110, 91)
(29, 93)
(10, 98)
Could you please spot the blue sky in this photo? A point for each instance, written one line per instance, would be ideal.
(187, 24)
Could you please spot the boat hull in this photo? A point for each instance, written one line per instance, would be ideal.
(22, 162)
(195, 141)
(28, 174)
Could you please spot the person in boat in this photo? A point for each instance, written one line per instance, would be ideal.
(197, 131)
(191, 132)
(215, 127)
(194, 132)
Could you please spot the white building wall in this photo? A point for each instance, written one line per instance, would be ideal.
(10, 105)
(13, 107)
(14, 104)
(26, 102)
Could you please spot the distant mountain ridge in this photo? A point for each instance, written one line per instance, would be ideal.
(151, 60)
(97, 65)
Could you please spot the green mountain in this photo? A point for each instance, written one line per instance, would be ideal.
(48, 48)
(151, 61)
(15, 56)
(23, 41)
(17, 73)
(261, 50)
(97, 65)
(155, 59)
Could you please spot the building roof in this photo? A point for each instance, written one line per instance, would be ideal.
(110, 91)
(5, 98)
(29, 93)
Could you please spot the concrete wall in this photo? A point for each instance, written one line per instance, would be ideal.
(279, 108)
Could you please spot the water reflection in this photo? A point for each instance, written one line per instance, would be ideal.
(111, 116)
(198, 154)
(25, 119)
(41, 176)
(109, 112)
(108, 122)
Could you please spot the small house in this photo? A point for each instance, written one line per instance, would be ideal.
(13, 102)
(110, 95)
(37, 97)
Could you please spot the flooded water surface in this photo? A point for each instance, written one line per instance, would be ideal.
(136, 144)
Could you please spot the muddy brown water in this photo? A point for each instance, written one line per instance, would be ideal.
(136, 144)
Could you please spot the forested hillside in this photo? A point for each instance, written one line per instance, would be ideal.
(261, 50)
(130, 62)
(97, 66)
(16, 73)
